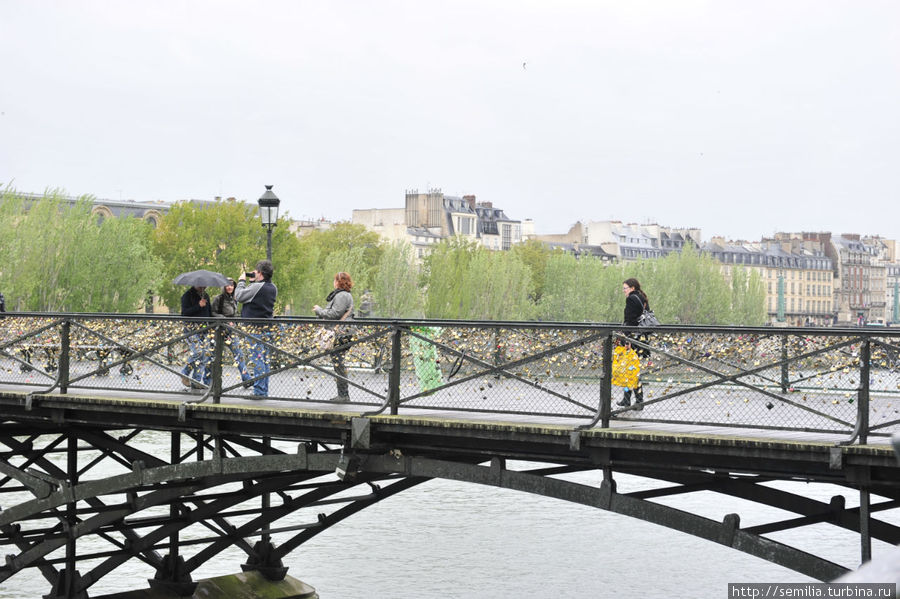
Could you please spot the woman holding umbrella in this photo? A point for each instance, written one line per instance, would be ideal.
(195, 303)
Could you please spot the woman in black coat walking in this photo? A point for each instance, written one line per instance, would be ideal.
(635, 303)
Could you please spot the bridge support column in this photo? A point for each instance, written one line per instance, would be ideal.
(265, 561)
(173, 577)
(71, 512)
(865, 538)
(65, 585)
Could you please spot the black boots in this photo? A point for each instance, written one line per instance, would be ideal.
(638, 398)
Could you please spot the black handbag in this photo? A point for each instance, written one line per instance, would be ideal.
(648, 320)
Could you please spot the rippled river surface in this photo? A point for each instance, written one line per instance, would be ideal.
(446, 539)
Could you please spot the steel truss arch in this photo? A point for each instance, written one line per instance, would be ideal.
(276, 473)
(178, 484)
(605, 497)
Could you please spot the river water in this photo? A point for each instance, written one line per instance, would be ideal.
(446, 539)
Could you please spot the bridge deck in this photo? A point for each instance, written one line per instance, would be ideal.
(275, 409)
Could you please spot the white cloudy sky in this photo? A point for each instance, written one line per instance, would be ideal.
(740, 117)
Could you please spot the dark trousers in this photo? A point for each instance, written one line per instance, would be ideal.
(337, 360)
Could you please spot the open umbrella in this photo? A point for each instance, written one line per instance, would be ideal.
(201, 278)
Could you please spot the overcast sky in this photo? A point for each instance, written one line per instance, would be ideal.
(738, 117)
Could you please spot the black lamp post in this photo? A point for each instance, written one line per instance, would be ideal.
(268, 215)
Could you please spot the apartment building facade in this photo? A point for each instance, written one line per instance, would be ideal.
(892, 294)
(631, 242)
(430, 217)
(796, 277)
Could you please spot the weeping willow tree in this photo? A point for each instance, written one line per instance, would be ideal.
(350, 260)
(466, 281)
(535, 255)
(496, 288)
(683, 288)
(317, 256)
(442, 274)
(60, 257)
(688, 288)
(580, 289)
(748, 297)
(395, 284)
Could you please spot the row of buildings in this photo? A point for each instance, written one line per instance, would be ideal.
(816, 279)
(810, 278)
(429, 217)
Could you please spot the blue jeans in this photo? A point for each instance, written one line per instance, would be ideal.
(258, 358)
(197, 367)
(238, 354)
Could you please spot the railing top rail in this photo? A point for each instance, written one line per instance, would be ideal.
(507, 324)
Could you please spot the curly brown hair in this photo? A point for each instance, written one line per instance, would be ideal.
(343, 281)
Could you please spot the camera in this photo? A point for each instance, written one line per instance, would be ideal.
(250, 275)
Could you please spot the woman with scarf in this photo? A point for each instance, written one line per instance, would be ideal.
(339, 307)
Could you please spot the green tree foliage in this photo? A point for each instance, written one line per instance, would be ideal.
(683, 288)
(581, 289)
(496, 287)
(748, 297)
(221, 236)
(351, 260)
(444, 270)
(343, 237)
(124, 244)
(686, 288)
(60, 257)
(395, 284)
(344, 247)
(57, 257)
(534, 255)
(465, 281)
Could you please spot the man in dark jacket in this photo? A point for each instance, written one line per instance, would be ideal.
(195, 302)
(2, 303)
(258, 301)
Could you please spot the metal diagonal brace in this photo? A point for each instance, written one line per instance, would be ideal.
(39, 487)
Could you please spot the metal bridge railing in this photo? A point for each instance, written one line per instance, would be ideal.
(843, 381)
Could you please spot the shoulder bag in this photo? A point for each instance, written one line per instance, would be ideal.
(325, 337)
(648, 320)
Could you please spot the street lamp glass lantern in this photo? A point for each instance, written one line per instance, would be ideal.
(268, 208)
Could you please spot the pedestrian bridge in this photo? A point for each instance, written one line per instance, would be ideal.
(516, 405)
